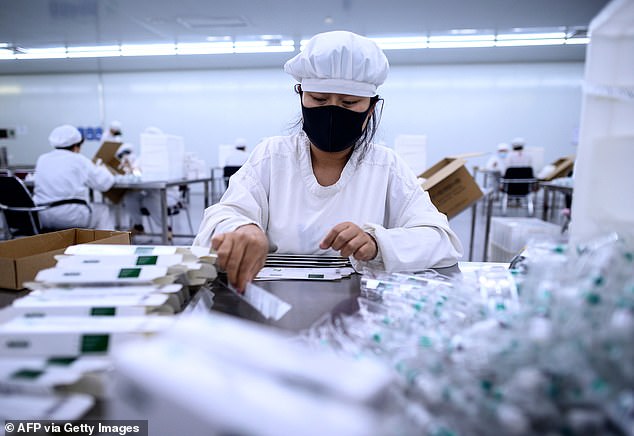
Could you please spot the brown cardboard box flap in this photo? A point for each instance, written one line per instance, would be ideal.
(21, 259)
(450, 186)
(562, 168)
(107, 153)
(440, 171)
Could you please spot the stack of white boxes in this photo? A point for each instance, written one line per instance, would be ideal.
(510, 235)
(56, 342)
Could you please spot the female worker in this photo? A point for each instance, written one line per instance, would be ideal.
(327, 188)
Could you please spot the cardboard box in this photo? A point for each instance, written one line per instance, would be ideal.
(451, 187)
(561, 168)
(107, 153)
(21, 259)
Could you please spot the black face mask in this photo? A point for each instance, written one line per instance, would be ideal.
(333, 128)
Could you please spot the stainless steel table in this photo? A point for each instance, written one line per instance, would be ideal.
(161, 187)
(549, 189)
(311, 300)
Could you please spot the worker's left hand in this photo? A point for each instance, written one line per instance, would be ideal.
(350, 240)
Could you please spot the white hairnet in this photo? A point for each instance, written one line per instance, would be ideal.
(503, 146)
(64, 136)
(115, 125)
(518, 141)
(339, 62)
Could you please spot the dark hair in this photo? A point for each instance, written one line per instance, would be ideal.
(371, 128)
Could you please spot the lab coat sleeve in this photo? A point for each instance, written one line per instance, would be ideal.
(244, 202)
(98, 177)
(418, 237)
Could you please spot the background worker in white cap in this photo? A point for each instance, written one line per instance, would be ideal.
(64, 174)
(328, 189)
(113, 133)
(518, 156)
(497, 162)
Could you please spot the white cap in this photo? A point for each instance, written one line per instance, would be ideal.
(116, 125)
(503, 146)
(518, 141)
(339, 62)
(64, 136)
(241, 142)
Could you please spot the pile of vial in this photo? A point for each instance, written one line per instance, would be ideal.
(547, 348)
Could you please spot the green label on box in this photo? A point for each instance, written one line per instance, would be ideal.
(28, 374)
(94, 343)
(129, 273)
(146, 260)
(103, 311)
(61, 361)
(144, 250)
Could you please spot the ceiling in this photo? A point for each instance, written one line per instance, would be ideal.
(40, 23)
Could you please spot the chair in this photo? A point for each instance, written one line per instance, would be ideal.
(181, 205)
(227, 172)
(519, 183)
(21, 214)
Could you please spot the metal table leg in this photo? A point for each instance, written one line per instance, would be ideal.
(163, 195)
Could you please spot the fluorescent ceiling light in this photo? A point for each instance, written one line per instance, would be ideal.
(573, 41)
(461, 38)
(219, 39)
(204, 48)
(6, 54)
(458, 38)
(550, 35)
(98, 51)
(528, 42)
(401, 43)
(41, 53)
(461, 44)
(148, 50)
(264, 46)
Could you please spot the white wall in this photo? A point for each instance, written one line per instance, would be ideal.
(461, 108)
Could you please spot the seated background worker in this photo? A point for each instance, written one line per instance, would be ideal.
(518, 157)
(64, 174)
(113, 133)
(497, 162)
(327, 189)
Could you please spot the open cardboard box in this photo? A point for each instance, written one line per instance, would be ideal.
(107, 154)
(451, 187)
(21, 259)
(560, 168)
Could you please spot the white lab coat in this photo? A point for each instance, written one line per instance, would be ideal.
(519, 158)
(109, 137)
(277, 190)
(497, 163)
(62, 174)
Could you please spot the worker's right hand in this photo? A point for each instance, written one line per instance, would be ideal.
(241, 253)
